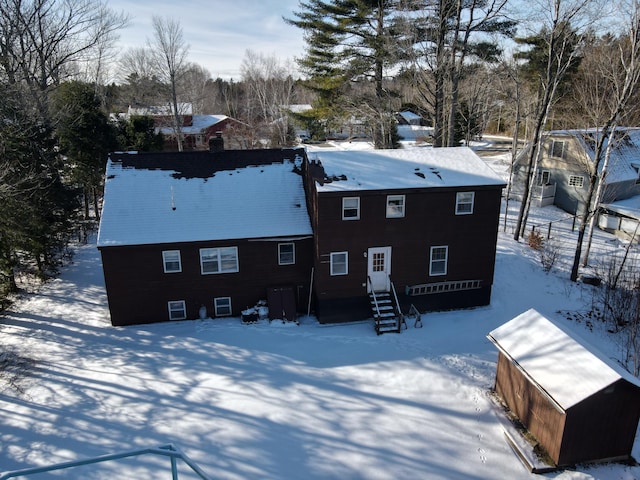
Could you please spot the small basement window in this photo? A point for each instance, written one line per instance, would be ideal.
(222, 306)
(177, 310)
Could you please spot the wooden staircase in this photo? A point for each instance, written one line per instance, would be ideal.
(386, 311)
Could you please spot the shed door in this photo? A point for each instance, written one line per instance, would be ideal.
(379, 268)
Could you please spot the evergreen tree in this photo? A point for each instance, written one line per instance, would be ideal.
(36, 207)
(138, 134)
(85, 137)
(351, 41)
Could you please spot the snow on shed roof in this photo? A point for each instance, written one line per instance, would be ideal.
(199, 196)
(563, 367)
(353, 170)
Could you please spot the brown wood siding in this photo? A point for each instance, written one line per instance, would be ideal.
(429, 220)
(602, 426)
(533, 409)
(138, 289)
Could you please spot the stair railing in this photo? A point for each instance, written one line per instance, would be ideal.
(399, 313)
(375, 302)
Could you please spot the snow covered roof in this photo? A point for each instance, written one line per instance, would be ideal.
(353, 170)
(199, 196)
(563, 367)
(624, 162)
(629, 206)
(409, 116)
(199, 124)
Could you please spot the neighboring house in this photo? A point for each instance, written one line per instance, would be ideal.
(197, 131)
(579, 405)
(562, 176)
(227, 229)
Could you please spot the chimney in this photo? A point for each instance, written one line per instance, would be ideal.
(216, 144)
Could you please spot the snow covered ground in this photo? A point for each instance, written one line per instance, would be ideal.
(273, 401)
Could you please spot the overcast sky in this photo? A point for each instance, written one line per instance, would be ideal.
(218, 31)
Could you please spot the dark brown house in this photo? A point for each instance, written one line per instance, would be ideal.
(420, 224)
(222, 230)
(580, 406)
(369, 233)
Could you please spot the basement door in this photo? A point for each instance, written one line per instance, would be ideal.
(379, 268)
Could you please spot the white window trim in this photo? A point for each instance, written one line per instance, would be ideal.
(357, 208)
(293, 252)
(183, 308)
(541, 176)
(165, 253)
(216, 307)
(346, 263)
(392, 210)
(218, 252)
(564, 147)
(445, 260)
(459, 203)
(576, 181)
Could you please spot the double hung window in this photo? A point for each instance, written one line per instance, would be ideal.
(171, 261)
(177, 310)
(351, 208)
(438, 260)
(222, 306)
(395, 206)
(464, 203)
(286, 254)
(218, 260)
(339, 263)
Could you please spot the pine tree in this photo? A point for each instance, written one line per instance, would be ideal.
(351, 42)
(85, 136)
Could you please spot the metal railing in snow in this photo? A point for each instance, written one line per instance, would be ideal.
(166, 451)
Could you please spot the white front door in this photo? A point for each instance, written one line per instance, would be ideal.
(379, 268)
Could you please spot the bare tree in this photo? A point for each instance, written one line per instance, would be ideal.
(270, 86)
(624, 77)
(194, 86)
(561, 37)
(41, 39)
(170, 55)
